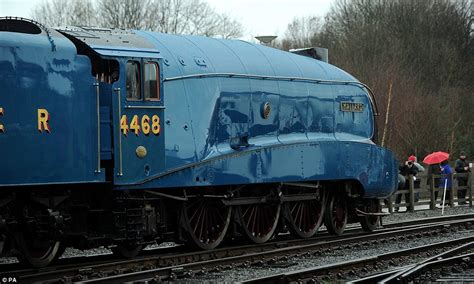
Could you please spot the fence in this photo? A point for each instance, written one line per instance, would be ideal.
(428, 188)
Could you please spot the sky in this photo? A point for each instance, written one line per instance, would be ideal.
(259, 17)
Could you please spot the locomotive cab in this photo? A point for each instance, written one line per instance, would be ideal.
(138, 110)
(130, 93)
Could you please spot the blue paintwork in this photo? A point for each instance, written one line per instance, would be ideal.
(212, 131)
(32, 76)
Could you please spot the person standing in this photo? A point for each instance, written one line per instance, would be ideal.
(434, 169)
(446, 172)
(406, 170)
(420, 169)
(461, 166)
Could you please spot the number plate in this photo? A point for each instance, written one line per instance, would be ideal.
(352, 107)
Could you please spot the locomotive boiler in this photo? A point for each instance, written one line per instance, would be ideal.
(122, 138)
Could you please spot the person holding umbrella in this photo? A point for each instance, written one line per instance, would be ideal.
(445, 181)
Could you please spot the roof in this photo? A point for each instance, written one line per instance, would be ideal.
(112, 42)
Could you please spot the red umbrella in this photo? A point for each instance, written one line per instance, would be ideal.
(436, 158)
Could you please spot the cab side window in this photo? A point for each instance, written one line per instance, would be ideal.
(151, 86)
(133, 81)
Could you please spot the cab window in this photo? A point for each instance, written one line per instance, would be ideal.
(151, 86)
(133, 81)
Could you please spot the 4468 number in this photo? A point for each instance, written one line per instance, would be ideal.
(145, 125)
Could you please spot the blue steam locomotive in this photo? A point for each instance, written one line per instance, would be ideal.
(123, 138)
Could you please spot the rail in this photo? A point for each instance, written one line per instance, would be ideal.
(426, 187)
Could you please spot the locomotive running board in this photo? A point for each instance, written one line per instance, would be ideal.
(362, 213)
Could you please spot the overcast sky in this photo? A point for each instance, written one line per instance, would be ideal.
(259, 17)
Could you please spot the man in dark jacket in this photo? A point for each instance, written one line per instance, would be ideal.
(461, 166)
(407, 169)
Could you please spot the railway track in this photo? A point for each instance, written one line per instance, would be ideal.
(321, 236)
(448, 265)
(168, 265)
(343, 270)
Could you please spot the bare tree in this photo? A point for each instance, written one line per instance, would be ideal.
(58, 13)
(428, 58)
(194, 17)
(301, 31)
(127, 14)
(228, 27)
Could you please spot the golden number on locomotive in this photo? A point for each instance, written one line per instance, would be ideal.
(144, 126)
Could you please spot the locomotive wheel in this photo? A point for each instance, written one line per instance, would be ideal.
(38, 236)
(37, 253)
(206, 221)
(128, 251)
(305, 216)
(258, 221)
(370, 223)
(335, 217)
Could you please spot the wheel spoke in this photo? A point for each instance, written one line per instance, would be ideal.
(206, 222)
(305, 216)
(336, 215)
(201, 224)
(195, 212)
(199, 218)
(258, 221)
(298, 214)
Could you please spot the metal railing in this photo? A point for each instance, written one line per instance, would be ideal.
(430, 193)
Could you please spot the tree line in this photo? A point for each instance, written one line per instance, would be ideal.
(195, 17)
(421, 52)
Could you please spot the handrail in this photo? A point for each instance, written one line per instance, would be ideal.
(119, 108)
(97, 90)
